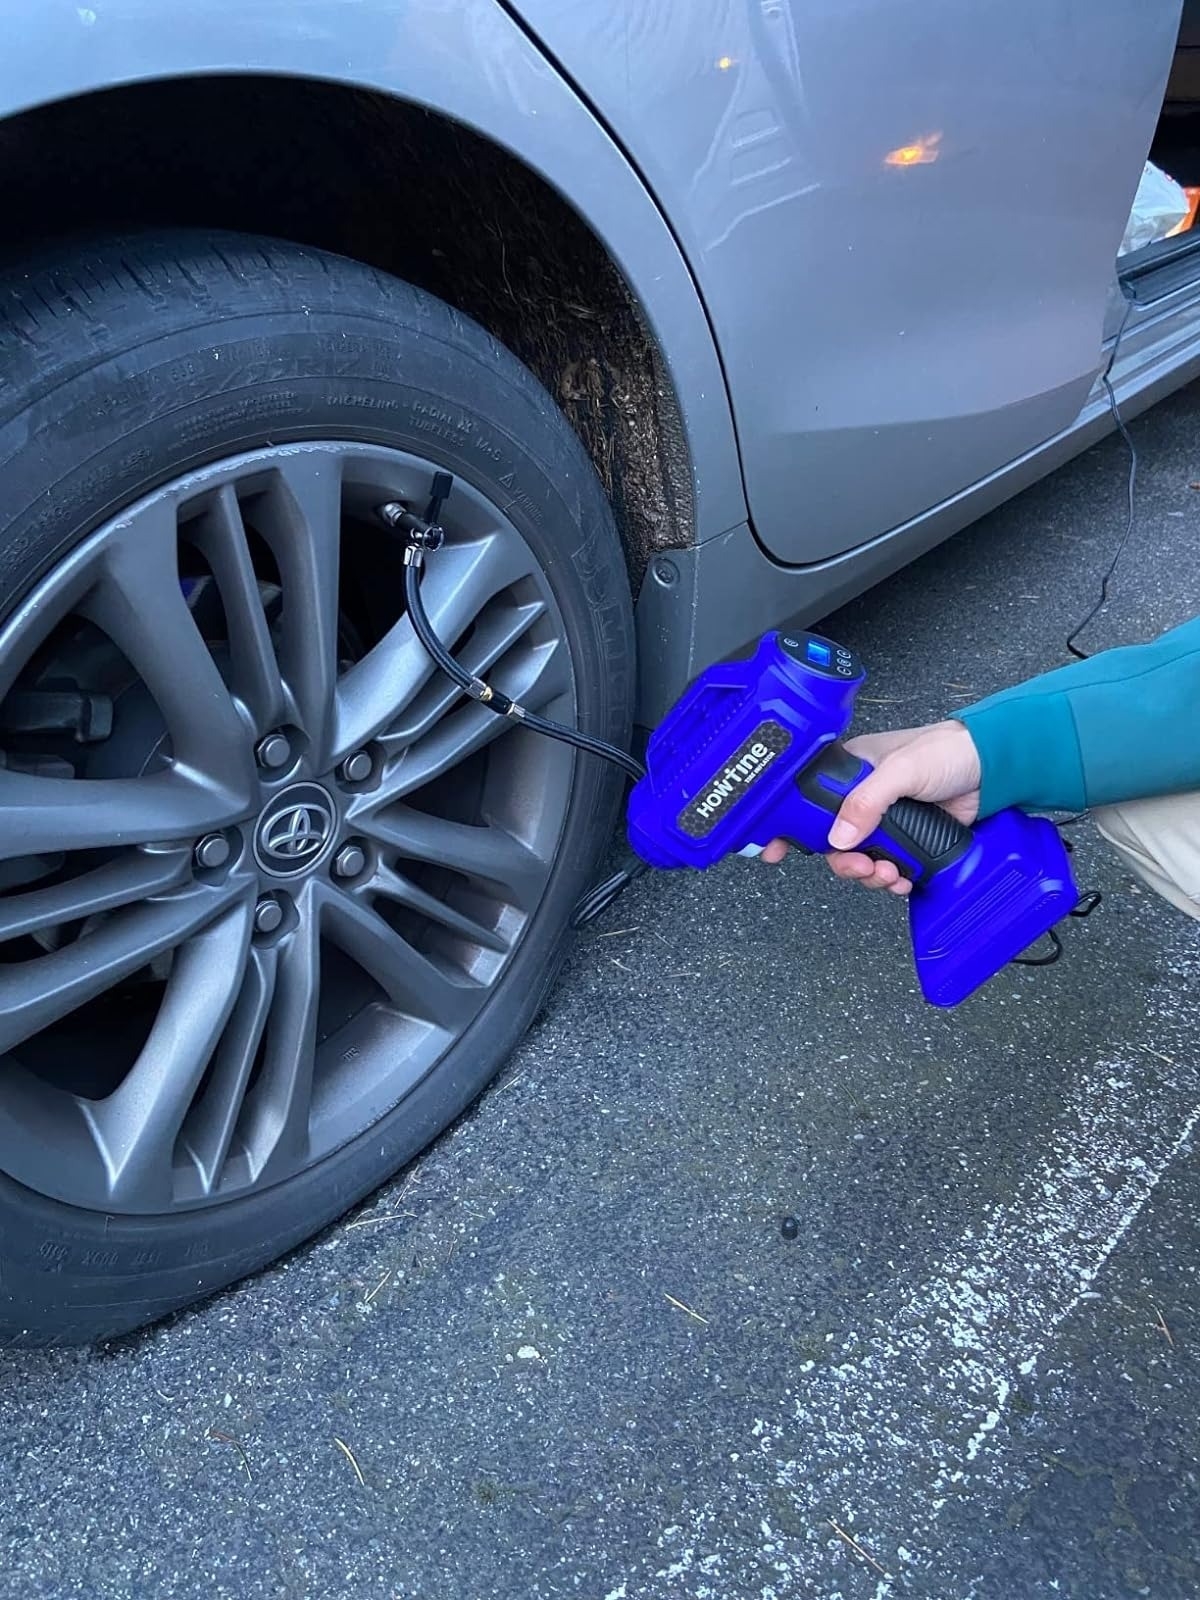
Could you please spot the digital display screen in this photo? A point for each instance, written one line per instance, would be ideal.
(820, 653)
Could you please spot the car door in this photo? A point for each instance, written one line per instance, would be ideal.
(903, 217)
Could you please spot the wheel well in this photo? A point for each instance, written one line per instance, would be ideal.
(393, 185)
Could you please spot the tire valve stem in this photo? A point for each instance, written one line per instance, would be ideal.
(421, 533)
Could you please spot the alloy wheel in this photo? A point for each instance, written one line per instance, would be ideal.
(261, 866)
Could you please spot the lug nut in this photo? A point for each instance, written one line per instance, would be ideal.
(357, 767)
(212, 850)
(349, 861)
(273, 752)
(268, 914)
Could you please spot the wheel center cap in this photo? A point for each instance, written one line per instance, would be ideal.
(295, 830)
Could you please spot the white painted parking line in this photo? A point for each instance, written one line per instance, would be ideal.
(884, 1435)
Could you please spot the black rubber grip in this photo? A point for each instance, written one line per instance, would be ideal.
(929, 834)
(926, 834)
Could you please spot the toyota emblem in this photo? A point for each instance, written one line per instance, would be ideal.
(294, 830)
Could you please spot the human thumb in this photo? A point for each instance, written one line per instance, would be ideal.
(863, 808)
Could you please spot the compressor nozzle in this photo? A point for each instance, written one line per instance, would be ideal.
(420, 534)
(425, 533)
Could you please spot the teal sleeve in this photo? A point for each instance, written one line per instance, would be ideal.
(1120, 726)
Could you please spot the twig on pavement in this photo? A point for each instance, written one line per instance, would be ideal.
(688, 1309)
(856, 1547)
(349, 1455)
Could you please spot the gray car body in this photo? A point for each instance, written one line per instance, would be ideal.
(866, 354)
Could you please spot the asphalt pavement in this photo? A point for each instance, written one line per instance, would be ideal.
(571, 1352)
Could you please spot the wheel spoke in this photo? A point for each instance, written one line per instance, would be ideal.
(275, 1124)
(413, 983)
(539, 678)
(35, 993)
(210, 1125)
(485, 852)
(254, 672)
(385, 682)
(136, 1127)
(133, 876)
(46, 815)
(138, 602)
(301, 520)
(393, 886)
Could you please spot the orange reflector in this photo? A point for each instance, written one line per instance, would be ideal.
(1193, 200)
(918, 154)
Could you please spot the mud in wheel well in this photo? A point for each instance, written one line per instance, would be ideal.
(392, 185)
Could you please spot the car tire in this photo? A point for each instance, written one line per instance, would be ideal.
(142, 373)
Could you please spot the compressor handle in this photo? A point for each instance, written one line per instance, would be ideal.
(920, 839)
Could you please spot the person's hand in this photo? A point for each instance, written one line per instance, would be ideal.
(938, 763)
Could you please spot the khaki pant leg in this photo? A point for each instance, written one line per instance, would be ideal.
(1160, 839)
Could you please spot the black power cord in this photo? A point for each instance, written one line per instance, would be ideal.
(602, 896)
(1102, 600)
(1092, 898)
(1087, 904)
